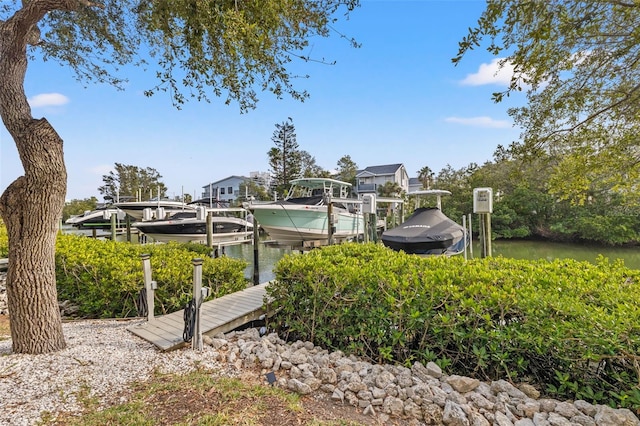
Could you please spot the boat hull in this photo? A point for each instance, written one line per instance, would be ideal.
(135, 209)
(224, 230)
(94, 219)
(427, 232)
(294, 225)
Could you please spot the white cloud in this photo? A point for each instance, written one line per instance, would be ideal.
(490, 74)
(101, 169)
(487, 122)
(48, 99)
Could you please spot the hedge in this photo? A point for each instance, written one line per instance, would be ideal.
(571, 328)
(104, 278)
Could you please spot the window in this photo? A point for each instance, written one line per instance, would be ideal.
(230, 190)
(221, 191)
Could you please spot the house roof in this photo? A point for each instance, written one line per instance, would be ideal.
(414, 181)
(388, 169)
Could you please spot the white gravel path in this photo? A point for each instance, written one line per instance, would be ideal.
(101, 358)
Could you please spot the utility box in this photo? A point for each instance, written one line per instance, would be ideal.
(369, 203)
(483, 200)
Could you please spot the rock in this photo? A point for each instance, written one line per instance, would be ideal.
(462, 384)
(299, 387)
(529, 390)
(434, 370)
(454, 415)
(432, 414)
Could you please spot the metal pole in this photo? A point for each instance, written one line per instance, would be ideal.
(330, 220)
(196, 340)
(470, 237)
(149, 285)
(489, 234)
(113, 218)
(256, 257)
(209, 229)
(464, 226)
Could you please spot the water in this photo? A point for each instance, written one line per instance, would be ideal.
(550, 251)
(268, 255)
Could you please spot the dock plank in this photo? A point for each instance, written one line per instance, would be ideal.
(219, 315)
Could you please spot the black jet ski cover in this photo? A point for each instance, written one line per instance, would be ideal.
(426, 231)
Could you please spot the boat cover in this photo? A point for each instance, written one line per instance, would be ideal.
(426, 231)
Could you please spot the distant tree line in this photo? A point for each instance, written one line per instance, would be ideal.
(524, 205)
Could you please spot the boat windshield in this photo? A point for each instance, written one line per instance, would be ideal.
(306, 188)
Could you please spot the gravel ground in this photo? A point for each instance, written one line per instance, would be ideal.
(101, 357)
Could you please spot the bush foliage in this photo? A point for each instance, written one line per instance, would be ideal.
(104, 278)
(4, 240)
(569, 327)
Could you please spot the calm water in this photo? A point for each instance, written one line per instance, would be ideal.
(269, 255)
(550, 251)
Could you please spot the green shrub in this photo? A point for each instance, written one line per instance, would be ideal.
(4, 240)
(104, 278)
(569, 327)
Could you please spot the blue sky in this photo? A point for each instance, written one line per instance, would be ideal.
(396, 99)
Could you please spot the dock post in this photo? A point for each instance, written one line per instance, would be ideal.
(114, 218)
(256, 257)
(464, 235)
(470, 237)
(128, 225)
(149, 285)
(330, 221)
(374, 227)
(489, 251)
(365, 234)
(209, 230)
(196, 339)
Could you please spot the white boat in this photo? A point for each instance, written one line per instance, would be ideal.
(99, 218)
(302, 218)
(191, 226)
(159, 209)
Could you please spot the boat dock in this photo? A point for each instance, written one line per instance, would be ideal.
(219, 315)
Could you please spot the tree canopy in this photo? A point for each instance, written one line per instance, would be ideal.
(347, 169)
(285, 158)
(579, 65)
(426, 176)
(133, 182)
(223, 48)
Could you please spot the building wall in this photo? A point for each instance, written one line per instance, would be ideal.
(371, 183)
(224, 190)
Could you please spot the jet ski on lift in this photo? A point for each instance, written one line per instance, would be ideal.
(427, 231)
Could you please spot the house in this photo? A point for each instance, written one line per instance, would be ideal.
(415, 184)
(373, 177)
(263, 179)
(227, 189)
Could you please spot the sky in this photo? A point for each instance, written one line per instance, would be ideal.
(396, 99)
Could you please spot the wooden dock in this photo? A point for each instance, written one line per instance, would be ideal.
(217, 316)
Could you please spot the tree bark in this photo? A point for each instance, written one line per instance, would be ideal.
(31, 206)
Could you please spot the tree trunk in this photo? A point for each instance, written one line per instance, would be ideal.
(32, 205)
(31, 208)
